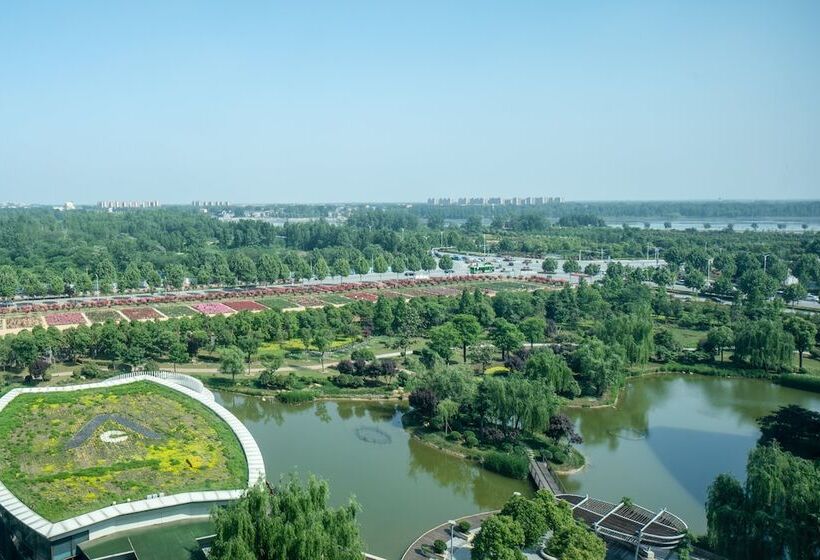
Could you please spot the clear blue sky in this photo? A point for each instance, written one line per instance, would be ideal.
(389, 101)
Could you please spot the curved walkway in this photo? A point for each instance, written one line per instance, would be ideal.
(442, 532)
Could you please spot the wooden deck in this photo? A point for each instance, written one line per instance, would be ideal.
(442, 532)
(544, 478)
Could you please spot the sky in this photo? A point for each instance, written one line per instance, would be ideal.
(338, 101)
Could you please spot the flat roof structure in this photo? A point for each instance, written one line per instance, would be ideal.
(27, 534)
(628, 523)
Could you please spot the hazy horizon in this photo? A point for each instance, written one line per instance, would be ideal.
(372, 102)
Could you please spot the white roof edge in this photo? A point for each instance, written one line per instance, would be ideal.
(253, 457)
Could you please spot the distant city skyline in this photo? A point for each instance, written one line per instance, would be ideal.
(400, 102)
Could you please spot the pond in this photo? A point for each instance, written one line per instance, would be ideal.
(404, 486)
(670, 436)
(662, 446)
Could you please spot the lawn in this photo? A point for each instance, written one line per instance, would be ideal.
(54, 457)
(688, 338)
(278, 303)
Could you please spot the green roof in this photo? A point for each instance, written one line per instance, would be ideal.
(171, 541)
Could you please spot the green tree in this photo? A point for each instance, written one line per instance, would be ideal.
(500, 538)
(764, 344)
(774, 515)
(803, 332)
(320, 269)
(794, 428)
(383, 317)
(549, 265)
(272, 360)
(547, 366)
(292, 523)
(174, 276)
(8, 282)
(428, 263)
(533, 328)
(178, 353)
(468, 330)
(442, 340)
(380, 264)
(794, 293)
(321, 342)
(231, 361)
(361, 266)
(530, 515)
(445, 263)
(720, 338)
(506, 336)
(341, 267)
(481, 354)
(399, 265)
(571, 266)
(446, 411)
(249, 344)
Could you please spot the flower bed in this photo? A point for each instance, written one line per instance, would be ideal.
(23, 322)
(103, 315)
(308, 301)
(63, 319)
(212, 308)
(141, 313)
(176, 311)
(362, 296)
(245, 305)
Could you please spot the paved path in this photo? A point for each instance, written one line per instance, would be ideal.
(441, 532)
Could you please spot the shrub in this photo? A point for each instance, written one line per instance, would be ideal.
(454, 436)
(470, 439)
(348, 381)
(268, 380)
(796, 381)
(294, 397)
(346, 367)
(89, 371)
(363, 354)
(463, 526)
(439, 546)
(514, 465)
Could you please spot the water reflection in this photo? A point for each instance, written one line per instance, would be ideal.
(670, 436)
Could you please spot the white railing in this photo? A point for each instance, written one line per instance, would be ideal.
(186, 381)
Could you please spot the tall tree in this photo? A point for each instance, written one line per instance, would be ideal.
(231, 362)
(468, 330)
(294, 522)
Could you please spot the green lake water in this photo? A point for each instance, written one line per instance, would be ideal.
(662, 446)
(670, 436)
(361, 449)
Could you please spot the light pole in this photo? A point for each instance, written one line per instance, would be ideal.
(452, 527)
(765, 258)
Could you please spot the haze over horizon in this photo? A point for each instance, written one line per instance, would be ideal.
(366, 101)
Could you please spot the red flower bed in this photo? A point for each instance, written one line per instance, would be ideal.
(141, 313)
(245, 305)
(213, 308)
(60, 319)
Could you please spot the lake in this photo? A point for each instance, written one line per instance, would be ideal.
(662, 446)
(404, 486)
(671, 435)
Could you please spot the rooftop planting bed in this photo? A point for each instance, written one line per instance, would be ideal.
(67, 453)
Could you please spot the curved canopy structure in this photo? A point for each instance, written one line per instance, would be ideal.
(628, 523)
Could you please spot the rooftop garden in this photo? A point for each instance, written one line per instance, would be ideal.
(65, 454)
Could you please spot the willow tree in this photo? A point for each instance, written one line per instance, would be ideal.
(292, 522)
(773, 516)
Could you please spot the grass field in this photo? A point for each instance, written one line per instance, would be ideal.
(688, 338)
(174, 444)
